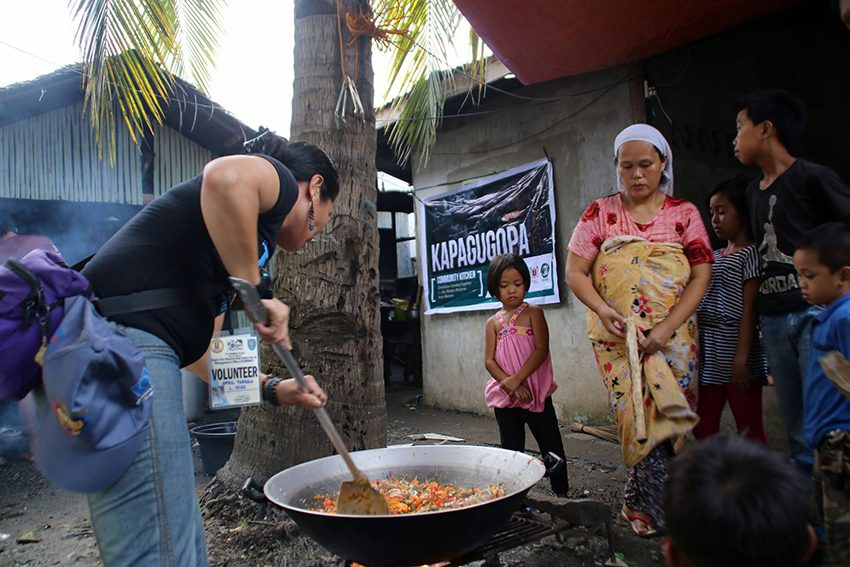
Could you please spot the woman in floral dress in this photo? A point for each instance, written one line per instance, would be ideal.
(640, 260)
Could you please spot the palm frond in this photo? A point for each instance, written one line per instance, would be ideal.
(131, 48)
(418, 67)
(198, 25)
(478, 65)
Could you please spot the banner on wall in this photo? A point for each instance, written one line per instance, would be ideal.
(462, 230)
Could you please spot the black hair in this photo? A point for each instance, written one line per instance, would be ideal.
(831, 242)
(735, 189)
(302, 159)
(785, 110)
(497, 267)
(730, 502)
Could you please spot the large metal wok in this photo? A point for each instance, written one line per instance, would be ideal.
(411, 539)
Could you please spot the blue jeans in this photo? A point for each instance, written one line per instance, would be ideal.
(151, 516)
(787, 342)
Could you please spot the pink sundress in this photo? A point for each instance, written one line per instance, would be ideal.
(514, 344)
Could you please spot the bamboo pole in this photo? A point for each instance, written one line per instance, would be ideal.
(636, 370)
(606, 433)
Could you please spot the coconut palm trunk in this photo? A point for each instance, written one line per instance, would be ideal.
(332, 285)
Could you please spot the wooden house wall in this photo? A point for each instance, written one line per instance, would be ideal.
(176, 159)
(53, 156)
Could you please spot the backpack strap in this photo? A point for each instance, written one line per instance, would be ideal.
(25, 274)
(152, 299)
(33, 304)
(78, 267)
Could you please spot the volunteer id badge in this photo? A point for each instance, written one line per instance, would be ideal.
(234, 370)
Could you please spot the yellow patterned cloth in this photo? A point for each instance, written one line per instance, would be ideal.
(643, 280)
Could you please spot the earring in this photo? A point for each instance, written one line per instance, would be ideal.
(311, 226)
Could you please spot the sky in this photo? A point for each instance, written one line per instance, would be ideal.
(254, 71)
(253, 78)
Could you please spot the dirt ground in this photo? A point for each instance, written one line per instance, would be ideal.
(41, 525)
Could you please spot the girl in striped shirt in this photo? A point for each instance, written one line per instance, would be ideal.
(732, 361)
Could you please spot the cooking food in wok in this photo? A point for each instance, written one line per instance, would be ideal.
(408, 539)
(410, 496)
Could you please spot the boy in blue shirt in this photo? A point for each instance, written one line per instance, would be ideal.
(822, 259)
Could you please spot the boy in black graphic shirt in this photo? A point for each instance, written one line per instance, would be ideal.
(792, 197)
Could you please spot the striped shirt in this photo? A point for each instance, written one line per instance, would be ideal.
(720, 317)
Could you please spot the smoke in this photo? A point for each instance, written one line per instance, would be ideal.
(78, 229)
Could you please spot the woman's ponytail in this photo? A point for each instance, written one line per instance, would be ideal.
(302, 159)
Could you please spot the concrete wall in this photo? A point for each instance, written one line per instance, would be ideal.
(577, 130)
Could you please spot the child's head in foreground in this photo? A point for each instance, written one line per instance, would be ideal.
(731, 502)
(822, 259)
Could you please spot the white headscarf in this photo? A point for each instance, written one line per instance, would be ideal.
(646, 133)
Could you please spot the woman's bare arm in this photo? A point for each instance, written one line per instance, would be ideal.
(578, 279)
(201, 367)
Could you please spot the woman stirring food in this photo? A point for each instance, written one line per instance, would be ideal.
(640, 261)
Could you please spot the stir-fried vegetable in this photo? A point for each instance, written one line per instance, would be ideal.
(405, 496)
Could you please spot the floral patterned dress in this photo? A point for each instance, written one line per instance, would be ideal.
(643, 281)
(641, 270)
(678, 222)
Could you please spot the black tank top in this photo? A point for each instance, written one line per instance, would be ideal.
(167, 245)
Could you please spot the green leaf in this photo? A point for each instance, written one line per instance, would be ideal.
(420, 69)
(131, 49)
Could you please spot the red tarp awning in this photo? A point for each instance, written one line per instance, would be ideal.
(541, 40)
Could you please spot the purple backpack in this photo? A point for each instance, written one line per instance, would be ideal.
(32, 304)
(32, 294)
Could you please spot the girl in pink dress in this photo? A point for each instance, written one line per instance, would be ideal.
(517, 356)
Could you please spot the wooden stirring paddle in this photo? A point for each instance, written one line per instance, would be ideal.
(356, 496)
